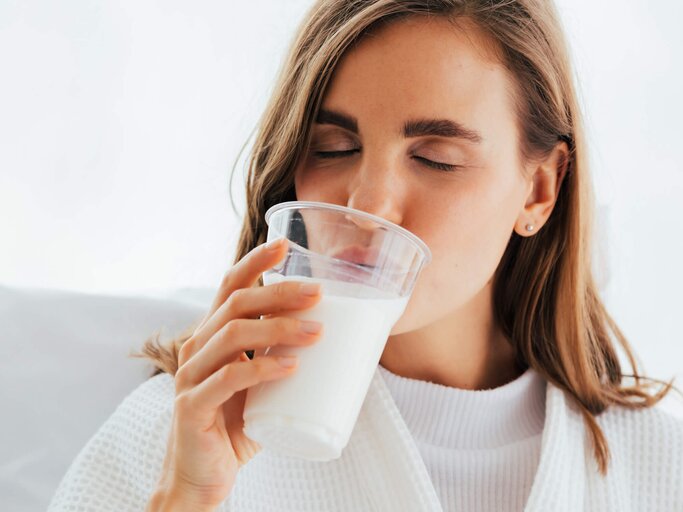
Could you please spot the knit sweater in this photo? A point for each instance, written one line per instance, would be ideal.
(481, 448)
(381, 468)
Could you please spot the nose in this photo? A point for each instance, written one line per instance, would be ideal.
(366, 224)
(371, 197)
(385, 207)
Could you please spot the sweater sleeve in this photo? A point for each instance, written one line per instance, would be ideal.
(118, 468)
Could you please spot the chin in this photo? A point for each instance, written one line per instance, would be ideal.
(411, 319)
(423, 310)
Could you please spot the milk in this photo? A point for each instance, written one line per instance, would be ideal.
(311, 413)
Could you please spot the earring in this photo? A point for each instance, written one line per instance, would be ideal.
(529, 227)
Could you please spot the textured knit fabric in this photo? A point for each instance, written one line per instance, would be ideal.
(381, 468)
(482, 447)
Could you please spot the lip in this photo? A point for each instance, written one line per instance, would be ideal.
(366, 256)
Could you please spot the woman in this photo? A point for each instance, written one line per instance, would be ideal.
(499, 387)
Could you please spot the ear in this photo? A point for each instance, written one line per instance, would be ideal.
(544, 186)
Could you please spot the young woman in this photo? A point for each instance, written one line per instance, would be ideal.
(500, 387)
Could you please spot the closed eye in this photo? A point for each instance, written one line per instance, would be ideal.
(340, 154)
(334, 154)
(436, 165)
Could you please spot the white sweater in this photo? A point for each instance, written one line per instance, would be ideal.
(381, 468)
(481, 448)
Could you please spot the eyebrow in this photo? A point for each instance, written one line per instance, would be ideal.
(411, 128)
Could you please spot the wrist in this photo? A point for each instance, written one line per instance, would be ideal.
(165, 500)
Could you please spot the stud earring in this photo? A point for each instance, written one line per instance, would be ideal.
(529, 227)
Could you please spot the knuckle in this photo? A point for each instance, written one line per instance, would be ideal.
(231, 330)
(288, 326)
(227, 278)
(181, 378)
(225, 373)
(282, 290)
(262, 367)
(183, 402)
(187, 349)
(234, 298)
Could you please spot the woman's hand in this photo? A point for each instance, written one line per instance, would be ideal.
(207, 444)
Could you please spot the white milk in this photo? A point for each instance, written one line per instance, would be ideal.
(311, 413)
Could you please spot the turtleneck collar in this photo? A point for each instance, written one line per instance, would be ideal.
(456, 418)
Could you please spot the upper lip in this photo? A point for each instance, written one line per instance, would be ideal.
(357, 254)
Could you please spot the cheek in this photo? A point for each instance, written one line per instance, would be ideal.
(421, 309)
(444, 286)
(468, 235)
(304, 187)
(317, 185)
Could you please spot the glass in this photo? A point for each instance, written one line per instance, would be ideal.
(368, 268)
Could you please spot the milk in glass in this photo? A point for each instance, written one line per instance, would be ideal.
(312, 412)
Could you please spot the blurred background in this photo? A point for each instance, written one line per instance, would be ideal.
(120, 123)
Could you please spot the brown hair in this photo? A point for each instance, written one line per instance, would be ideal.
(545, 297)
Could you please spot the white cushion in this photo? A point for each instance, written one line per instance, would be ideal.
(64, 367)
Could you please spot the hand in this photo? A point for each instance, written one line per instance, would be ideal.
(207, 444)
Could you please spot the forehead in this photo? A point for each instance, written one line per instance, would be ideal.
(421, 66)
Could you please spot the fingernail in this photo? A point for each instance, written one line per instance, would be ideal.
(311, 327)
(287, 361)
(309, 289)
(274, 244)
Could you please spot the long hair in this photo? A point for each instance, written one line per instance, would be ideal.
(545, 297)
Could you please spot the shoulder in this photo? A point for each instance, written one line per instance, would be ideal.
(646, 453)
(650, 428)
(155, 396)
(145, 412)
(143, 418)
(121, 463)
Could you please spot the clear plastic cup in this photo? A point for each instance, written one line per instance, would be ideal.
(368, 267)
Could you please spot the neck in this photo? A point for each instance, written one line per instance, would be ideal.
(465, 349)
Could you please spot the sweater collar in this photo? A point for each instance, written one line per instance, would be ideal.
(455, 418)
(393, 476)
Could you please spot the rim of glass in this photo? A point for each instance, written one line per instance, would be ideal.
(286, 205)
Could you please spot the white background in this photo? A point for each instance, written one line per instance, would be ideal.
(120, 122)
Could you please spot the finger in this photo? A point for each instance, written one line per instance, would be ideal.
(257, 352)
(244, 334)
(199, 404)
(246, 271)
(253, 302)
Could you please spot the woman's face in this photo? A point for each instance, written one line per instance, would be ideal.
(454, 179)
